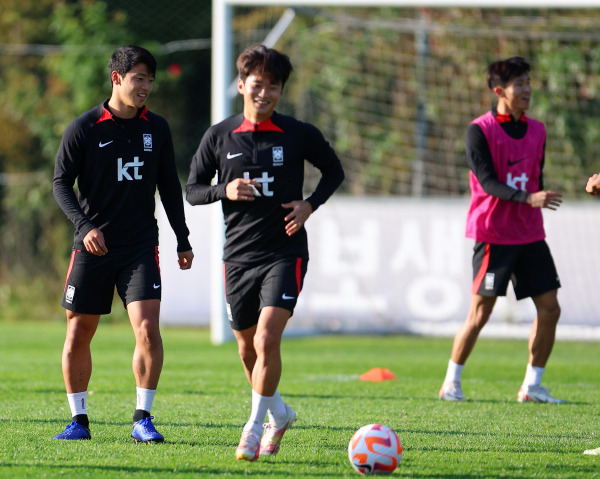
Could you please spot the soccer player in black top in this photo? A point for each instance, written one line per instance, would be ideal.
(119, 153)
(259, 157)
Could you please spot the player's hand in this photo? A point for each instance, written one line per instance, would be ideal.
(295, 219)
(593, 185)
(185, 259)
(242, 189)
(545, 199)
(94, 243)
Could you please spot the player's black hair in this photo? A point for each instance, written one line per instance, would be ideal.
(128, 56)
(260, 60)
(499, 73)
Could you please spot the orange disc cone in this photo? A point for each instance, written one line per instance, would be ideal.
(377, 374)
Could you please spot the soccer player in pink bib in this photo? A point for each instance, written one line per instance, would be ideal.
(505, 152)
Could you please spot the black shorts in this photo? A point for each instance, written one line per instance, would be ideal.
(249, 289)
(529, 266)
(91, 279)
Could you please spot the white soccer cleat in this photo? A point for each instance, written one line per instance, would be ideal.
(451, 391)
(248, 447)
(537, 394)
(272, 435)
(592, 452)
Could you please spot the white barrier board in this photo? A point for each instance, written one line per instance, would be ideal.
(397, 266)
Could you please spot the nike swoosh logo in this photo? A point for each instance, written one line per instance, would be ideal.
(156, 286)
(102, 145)
(511, 163)
(234, 155)
(285, 296)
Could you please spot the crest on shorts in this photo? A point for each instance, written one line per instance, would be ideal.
(489, 281)
(70, 294)
(278, 156)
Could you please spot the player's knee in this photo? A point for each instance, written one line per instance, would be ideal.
(247, 355)
(148, 334)
(79, 336)
(550, 314)
(265, 342)
(478, 320)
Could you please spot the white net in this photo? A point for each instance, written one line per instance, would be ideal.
(394, 88)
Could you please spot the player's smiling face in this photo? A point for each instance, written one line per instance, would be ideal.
(515, 97)
(132, 89)
(261, 94)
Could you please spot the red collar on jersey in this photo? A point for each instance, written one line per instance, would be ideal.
(506, 117)
(266, 125)
(107, 115)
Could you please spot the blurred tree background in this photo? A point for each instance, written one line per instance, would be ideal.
(53, 67)
(393, 89)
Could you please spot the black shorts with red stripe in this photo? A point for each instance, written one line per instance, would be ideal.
(248, 289)
(529, 266)
(91, 279)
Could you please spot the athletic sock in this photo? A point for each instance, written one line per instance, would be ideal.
(140, 414)
(454, 372)
(82, 419)
(78, 406)
(277, 411)
(533, 376)
(260, 405)
(143, 405)
(77, 403)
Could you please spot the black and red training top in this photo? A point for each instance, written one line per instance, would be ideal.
(273, 153)
(118, 165)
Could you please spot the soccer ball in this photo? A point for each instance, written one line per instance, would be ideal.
(375, 449)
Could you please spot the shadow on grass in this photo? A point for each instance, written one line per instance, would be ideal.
(241, 470)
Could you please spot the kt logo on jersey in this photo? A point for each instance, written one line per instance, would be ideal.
(125, 171)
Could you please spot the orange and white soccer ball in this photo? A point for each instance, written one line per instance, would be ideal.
(375, 449)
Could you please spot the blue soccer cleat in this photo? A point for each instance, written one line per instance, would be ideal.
(144, 431)
(74, 431)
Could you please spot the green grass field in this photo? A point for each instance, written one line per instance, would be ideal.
(203, 401)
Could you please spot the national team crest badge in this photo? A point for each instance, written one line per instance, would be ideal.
(278, 156)
(70, 294)
(147, 142)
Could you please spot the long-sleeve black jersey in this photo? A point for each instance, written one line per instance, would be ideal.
(479, 159)
(118, 164)
(273, 153)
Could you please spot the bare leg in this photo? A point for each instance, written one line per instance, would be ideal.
(267, 344)
(148, 354)
(260, 349)
(466, 337)
(76, 356)
(245, 341)
(543, 332)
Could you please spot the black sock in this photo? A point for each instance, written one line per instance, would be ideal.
(83, 420)
(140, 414)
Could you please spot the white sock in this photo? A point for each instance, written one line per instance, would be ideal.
(145, 398)
(454, 372)
(260, 405)
(533, 376)
(77, 403)
(277, 411)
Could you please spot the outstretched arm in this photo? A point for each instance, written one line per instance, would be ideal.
(545, 199)
(593, 184)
